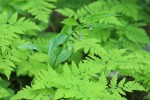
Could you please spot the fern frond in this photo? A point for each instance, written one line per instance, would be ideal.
(91, 44)
(67, 12)
(5, 93)
(81, 12)
(41, 9)
(32, 63)
(4, 90)
(29, 93)
(10, 40)
(8, 61)
(71, 84)
(131, 33)
(122, 86)
(11, 27)
(91, 13)
(68, 85)
(82, 81)
(125, 8)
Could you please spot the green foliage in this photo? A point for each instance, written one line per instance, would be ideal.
(74, 83)
(41, 9)
(6, 92)
(101, 52)
(9, 33)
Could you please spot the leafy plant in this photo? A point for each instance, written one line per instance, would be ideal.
(100, 52)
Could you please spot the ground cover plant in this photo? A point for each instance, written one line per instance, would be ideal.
(74, 49)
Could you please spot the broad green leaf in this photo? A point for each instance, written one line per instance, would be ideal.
(52, 59)
(70, 21)
(64, 54)
(54, 42)
(67, 29)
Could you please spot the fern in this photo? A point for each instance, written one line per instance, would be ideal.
(10, 30)
(26, 93)
(100, 10)
(73, 83)
(82, 12)
(90, 12)
(130, 33)
(133, 65)
(32, 64)
(122, 86)
(99, 53)
(5, 91)
(68, 87)
(125, 8)
(14, 27)
(41, 9)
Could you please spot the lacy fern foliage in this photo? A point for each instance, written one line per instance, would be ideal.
(91, 50)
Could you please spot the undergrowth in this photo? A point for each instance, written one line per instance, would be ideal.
(74, 50)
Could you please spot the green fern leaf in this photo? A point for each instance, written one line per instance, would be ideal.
(10, 40)
(131, 33)
(41, 9)
(6, 92)
(130, 86)
(29, 93)
(114, 81)
(67, 12)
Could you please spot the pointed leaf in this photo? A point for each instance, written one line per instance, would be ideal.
(65, 54)
(70, 21)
